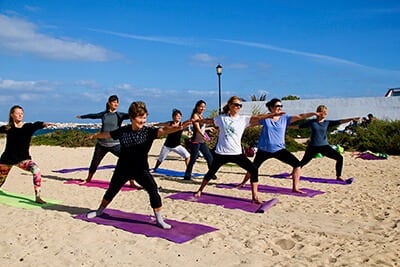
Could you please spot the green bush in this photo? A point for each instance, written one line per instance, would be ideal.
(67, 138)
(381, 136)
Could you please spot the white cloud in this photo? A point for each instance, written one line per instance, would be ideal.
(204, 58)
(37, 86)
(21, 36)
(87, 84)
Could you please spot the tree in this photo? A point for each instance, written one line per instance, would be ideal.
(261, 98)
(291, 97)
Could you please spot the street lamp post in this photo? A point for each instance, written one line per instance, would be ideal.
(219, 72)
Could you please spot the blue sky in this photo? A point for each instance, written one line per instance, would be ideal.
(62, 58)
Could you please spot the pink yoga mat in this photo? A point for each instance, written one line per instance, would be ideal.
(226, 201)
(145, 224)
(99, 184)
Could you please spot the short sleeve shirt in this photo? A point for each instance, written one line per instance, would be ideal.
(230, 133)
(319, 130)
(135, 146)
(272, 137)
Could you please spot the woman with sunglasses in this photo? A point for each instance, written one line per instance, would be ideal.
(272, 141)
(229, 149)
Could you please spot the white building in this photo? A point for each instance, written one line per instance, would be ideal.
(338, 108)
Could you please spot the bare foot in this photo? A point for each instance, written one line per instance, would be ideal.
(256, 200)
(85, 181)
(298, 191)
(340, 178)
(197, 194)
(40, 201)
(240, 185)
(132, 184)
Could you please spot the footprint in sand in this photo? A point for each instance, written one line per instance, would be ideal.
(285, 244)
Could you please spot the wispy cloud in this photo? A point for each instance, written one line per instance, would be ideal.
(167, 40)
(31, 86)
(319, 57)
(18, 35)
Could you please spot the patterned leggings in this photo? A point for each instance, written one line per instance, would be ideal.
(27, 165)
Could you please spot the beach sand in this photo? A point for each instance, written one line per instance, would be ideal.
(349, 225)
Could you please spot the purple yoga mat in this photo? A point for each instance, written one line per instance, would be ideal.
(226, 201)
(316, 180)
(145, 224)
(83, 169)
(99, 184)
(274, 189)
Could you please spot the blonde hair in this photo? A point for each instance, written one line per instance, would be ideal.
(321, 108)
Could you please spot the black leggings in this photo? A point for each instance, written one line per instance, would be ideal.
(144, 178)
(240, 160)
(99, 153)
(327, 151)
(282, 155)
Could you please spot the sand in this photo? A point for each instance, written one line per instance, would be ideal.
(349, 225)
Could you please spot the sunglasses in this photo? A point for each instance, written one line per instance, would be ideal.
(278, 106)
(237, 105)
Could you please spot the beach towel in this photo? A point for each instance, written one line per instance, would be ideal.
(99, 184)
(316, 180)
(23, 201)
(83, 169)
(226, 201)
(275, 190)
(167, 172)
(146, 225)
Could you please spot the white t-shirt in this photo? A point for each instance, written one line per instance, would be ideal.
(230, 133)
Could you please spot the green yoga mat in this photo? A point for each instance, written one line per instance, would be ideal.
(23, 201)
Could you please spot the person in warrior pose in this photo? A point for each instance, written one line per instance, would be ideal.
(136, 140)
(16, 153)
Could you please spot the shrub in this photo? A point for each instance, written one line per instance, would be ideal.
(67, 138)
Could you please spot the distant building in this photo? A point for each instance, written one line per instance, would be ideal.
(393, 92)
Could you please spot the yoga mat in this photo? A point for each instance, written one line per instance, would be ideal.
(275, 190)
(23, 201)
(99, 184)
(83, 169)
(316, 180)
(226, 201)
(175, 173)
(144, 224)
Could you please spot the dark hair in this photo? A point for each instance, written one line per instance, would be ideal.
(137, 109)
(176, 111)
(270, 104)
(111, 99)
(198, 103)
